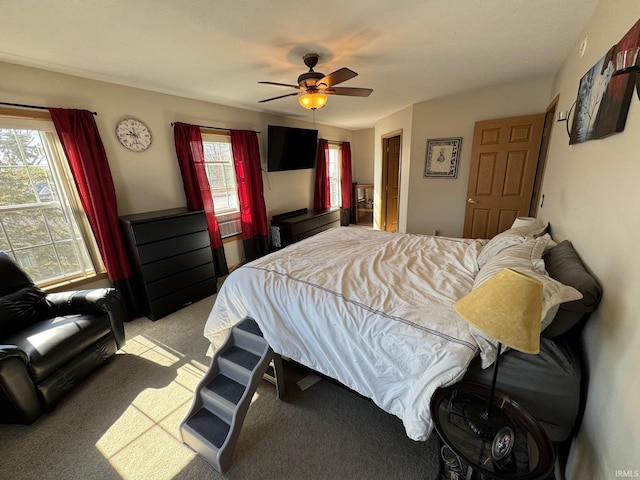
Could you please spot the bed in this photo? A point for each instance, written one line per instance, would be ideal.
(373, 309)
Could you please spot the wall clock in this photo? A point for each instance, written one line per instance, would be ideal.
(133, 134)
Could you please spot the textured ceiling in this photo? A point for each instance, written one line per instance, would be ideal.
(407, 51)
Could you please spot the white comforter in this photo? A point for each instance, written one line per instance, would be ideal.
(370, 309)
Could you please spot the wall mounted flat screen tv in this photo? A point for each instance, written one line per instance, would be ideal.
(291, 148)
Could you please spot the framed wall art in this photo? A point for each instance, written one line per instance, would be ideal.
(443, 155)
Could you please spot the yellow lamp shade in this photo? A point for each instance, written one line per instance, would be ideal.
(313, 101)
(507, 307)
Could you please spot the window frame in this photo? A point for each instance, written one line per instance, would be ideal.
(224, 217)
(41, 121)
(337, 193)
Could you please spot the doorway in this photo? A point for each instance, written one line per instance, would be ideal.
(390, 198)
(504, 166)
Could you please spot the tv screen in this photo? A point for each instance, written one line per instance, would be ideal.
(291, 148)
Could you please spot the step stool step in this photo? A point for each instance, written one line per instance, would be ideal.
(251, 326)
(227, 388)
(241, 357)
(210, 427)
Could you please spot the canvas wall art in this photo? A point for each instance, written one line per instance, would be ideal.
(603, 98)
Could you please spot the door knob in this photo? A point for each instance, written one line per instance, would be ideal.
(471, 200)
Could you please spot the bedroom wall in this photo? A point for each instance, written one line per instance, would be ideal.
(397, 123)
(439, 203)
(151, 180)
(591, 199)
(362, 161)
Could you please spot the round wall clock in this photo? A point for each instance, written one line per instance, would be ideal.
(133, 134)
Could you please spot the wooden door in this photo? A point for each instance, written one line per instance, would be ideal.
(504, 159)
(391, 182)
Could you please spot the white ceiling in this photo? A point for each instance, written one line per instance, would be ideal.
(408, 51)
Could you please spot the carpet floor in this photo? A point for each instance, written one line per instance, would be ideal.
(123, 422)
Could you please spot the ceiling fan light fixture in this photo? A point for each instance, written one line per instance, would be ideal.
(313, 101)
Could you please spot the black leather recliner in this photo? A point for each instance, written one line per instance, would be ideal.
(50, 342)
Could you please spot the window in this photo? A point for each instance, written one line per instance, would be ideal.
(221, 174)
(42, 224)
(334, 175)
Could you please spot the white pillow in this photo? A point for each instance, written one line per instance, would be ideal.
(525, 258)
(508, 238)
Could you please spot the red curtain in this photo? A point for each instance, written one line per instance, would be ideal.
(87, 158)
(346, 184)
(190, 153)
(321, 196)
(253, 213)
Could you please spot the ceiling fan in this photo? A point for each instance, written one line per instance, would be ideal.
(313, 87)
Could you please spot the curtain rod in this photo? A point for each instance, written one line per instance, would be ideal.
(35, 107)
(215, 128)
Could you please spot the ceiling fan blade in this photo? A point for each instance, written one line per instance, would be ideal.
(339, 76)
(276, 98)
(281, 84)
(349, 91)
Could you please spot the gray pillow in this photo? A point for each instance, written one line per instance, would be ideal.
(563, 263)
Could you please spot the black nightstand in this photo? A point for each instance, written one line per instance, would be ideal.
(531, 454)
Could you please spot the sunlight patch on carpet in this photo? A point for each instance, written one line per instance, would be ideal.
(144, 442)
(145, 348)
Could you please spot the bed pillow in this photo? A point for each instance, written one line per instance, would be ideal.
(509, 238)
(563, 263)
(525, 258)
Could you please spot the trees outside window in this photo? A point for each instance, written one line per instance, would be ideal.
(42, 225)
(334, 175)
(221, 174)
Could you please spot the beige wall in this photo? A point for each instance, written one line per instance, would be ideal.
(591, 198)
(362, 161)
(439, 203)
(151, 180)
(397, 123)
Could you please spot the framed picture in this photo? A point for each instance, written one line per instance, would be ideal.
(443, 155)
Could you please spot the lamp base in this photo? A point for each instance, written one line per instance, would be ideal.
(483, 423)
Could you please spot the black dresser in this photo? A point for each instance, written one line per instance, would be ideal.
(291, 227)
(173, 264)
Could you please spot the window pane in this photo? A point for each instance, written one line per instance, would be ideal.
(15, 186)
(222, 180)
(41, 263)
(26, 228)
(37, 226)
(215, 173)
(69, 257)
(334, 176)
(4, 241)
(58, 225)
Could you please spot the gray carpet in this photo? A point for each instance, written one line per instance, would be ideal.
(122, 422)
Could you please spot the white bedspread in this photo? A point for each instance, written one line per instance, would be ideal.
(370, 309)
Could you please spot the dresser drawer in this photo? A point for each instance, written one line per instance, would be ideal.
(298, 229)
(152, 252)
(160, 229)
(329, 218)
(181, 298)
(172, 265)
(166, 286)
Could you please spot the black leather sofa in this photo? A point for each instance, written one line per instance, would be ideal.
(50, 342)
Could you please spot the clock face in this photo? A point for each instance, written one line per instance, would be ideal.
(133, 134)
